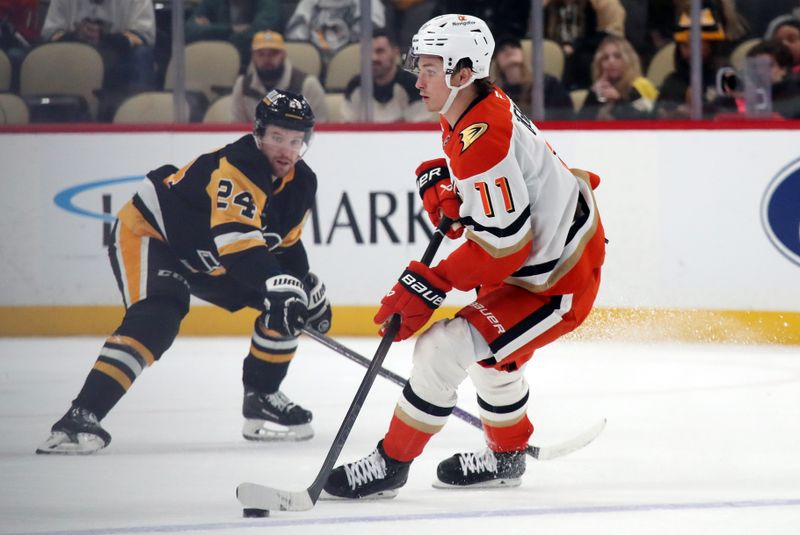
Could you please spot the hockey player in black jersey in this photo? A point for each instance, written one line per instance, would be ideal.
(225, 228)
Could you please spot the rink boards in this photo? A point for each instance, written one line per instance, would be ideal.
(703, 223)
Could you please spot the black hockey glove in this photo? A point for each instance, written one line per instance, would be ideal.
(285, 305)
(319, 308)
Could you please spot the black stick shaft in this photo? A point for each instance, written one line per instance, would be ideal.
(369, 378)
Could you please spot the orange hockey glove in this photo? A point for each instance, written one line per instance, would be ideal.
(418, 292)
(439, 194)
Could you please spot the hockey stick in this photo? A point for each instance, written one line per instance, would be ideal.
(537, 452)
(263, 498)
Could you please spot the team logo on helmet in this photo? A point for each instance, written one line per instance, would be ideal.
(471, 134)
(779, 214)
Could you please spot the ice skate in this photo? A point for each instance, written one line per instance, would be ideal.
(482, 469)
(77, 433)
(376, 476)
(274, 417)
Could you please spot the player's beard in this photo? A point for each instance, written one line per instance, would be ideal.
(515, 74)
(270, 77)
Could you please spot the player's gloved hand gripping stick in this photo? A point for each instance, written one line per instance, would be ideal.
(262, 498)
(438, 194)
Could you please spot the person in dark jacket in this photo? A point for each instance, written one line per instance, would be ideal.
(785, 86)
(233, 20)
(515, 78)
(674, 95)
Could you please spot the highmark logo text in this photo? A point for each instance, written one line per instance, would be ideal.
(361, 217)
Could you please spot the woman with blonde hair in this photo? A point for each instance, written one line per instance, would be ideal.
(619, 91)
(578, 26)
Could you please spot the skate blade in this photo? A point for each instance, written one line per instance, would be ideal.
(257, 431)
(59, 444)
(382, 495)
(491, 484)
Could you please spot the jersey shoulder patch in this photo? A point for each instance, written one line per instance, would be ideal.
(471, 134)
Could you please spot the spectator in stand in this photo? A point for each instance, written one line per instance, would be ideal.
(785, 87)
(270, 69)
(19, 26)
(663, 15)
(619, 91)
(331, 24)
(19, 30)
(579, 26)
(515, 78)
(233, 20)
(737, 28)
(407, 16)
(504, 17)
(674, 95)
(123, 31)
(395, 97)
(786, 30)
(761, 14)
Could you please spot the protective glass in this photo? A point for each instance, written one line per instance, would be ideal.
(411, 62)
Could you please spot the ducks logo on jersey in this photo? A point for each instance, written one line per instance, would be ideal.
(471, 134)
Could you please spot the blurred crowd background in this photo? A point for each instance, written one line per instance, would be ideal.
(151, 61)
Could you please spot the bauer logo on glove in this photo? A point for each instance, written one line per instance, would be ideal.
(418, 292)
(433, 297)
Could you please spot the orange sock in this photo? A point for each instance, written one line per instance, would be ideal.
(403, 442)
(512, 438)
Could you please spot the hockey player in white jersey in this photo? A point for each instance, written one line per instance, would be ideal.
(533, 249)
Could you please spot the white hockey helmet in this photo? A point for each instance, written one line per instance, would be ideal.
(453, 37)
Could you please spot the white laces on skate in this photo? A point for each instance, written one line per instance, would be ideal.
(280, 401)
(371, 467)
(477, 462)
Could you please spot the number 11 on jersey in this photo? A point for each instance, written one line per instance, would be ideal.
(501, 184)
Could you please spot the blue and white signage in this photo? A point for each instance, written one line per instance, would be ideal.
(780, 211)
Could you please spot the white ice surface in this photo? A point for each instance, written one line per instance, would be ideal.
(700, 439)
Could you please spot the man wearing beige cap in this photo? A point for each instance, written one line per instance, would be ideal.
(270, 69)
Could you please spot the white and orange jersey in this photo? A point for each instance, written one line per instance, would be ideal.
(530, 220)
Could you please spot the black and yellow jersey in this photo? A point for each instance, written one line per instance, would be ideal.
(224, 213)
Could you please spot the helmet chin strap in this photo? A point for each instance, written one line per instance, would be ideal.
(454, 93)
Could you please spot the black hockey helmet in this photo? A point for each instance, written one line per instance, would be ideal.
(286, 110)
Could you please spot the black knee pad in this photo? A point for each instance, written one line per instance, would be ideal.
(154, 322)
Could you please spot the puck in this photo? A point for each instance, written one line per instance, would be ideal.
(251, 512)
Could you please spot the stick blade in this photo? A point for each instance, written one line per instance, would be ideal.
(544, 453)
(253, 495)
